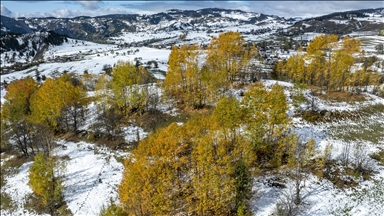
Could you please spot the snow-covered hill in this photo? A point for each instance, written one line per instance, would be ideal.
(102, 27)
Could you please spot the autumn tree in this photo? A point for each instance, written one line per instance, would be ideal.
(153, 181)
(45, 179)
(320, 50)
(53, 97)
(295, 67)
(189, 169)
(25, 136)
(128, 95)
(103, 92)
(14, 116)
(17, 104)
(329, 64)
(227, 55)
(340, 69)
(266, 120)
(185, 81)
(227, 114)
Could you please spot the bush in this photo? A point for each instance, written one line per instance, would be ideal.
(112, 210)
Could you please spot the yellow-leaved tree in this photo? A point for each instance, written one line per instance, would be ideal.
(126, 78)
(267, 122)
(53, 96)
(185, 80)
(17, 104)
(45, 179)
(227, 55)
(153, 179)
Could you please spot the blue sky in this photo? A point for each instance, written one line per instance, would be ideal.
(72, 8)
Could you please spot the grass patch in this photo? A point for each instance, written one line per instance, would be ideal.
(339, 96)
(120, 158)
(33, 203)
(155, 119)
(342, 177)
(364, 132)
(367, 126)
(7, 204)
(379, 156)
(64, 210)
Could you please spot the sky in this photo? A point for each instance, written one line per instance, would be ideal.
(73, 8)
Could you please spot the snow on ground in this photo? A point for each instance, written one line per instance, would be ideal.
(92, 63)
(133, 133)
(133, 37)
(17, 188)
(321, 197)
(76, 47)
(92, 176)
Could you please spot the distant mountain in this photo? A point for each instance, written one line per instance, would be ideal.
(343, 22)
(12, 25)
(100, 28)
(28, 47)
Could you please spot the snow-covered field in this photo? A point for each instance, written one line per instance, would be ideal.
(92, 63)
(91, 178)
(76, 47)
(320, 196)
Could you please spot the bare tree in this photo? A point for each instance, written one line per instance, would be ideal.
(109, 121)
(72, 117)
(286, 205)
(299, 162)
(44, 139)
(21, 136)
(346, 152)
(360, 157)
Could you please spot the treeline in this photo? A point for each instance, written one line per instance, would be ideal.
(329, 64)
(206, 166)
(196, 79)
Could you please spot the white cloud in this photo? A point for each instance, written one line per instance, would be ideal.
(68, 13)
(91, 5)
(310, 8)
(286, 9)
(5, 11)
